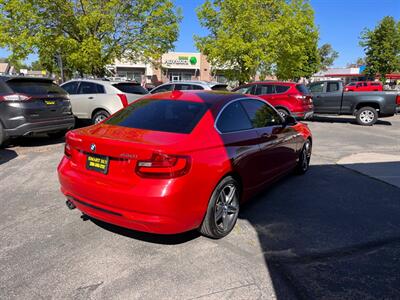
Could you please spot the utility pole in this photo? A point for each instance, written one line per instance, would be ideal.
(59, 63)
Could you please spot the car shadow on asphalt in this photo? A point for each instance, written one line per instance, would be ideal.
(33, 141)
(332, 233)
(6, 155)
(164, 239)
(344, 120)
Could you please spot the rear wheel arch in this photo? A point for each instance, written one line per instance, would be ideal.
(99, 111)
(366, 103)
(96, 110)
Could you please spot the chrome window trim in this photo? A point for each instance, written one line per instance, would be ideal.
(240, 99)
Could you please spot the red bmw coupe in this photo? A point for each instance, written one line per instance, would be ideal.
(177, 161)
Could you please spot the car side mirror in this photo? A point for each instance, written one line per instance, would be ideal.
(289, 121)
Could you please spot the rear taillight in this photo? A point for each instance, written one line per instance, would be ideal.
(398, 100)
(124, 99)
(164, 166)
(67, 150)
(14, 97)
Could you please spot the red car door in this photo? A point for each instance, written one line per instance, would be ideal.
(277, 142)
(241, 143)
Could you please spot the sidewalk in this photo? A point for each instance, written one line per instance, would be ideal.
(384, 167)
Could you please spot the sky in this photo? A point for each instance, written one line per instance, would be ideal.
(340, 23)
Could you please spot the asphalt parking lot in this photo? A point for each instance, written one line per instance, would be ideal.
(333, 233)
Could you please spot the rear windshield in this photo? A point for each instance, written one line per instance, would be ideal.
(35, 87)
(302, 89)
(160, 115)
(219, 87)
(131, 88)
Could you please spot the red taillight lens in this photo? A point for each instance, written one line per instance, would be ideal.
(124, 99)
(67, 150)
(164, 166)
(398, 100)
(14, 97)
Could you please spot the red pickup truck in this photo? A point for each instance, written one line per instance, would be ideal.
(364, 86)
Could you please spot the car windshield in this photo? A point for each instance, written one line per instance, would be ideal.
(35, 87)
(160, 115)
(130, 88)
(351, 84)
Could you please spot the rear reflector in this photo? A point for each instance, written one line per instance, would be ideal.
(124, 99)
(163, 166)
(398, 100)
(67, 150)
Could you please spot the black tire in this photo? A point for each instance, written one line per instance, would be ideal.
(2, 136)
(57, 134)
(304, 158)
(100, 116)
(283, 112)
(366, 116)
(217, 226)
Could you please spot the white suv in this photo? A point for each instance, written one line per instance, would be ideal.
(98, 99)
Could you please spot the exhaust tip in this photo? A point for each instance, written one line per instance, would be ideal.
(70, 205)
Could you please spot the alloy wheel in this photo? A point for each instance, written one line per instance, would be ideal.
(367, 116)
(226, 208)
(305, 156)
(99, 118)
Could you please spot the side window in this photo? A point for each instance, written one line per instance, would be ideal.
(332, 87)
(365, 84)
(261, 114)
(233, 118)
(90, 88)
(182, 87)
(317, 87)
(71, 87)
(281, 88)
(164, 88)
(359, 84)
(245, 90)
(265, 89)
(197, 87)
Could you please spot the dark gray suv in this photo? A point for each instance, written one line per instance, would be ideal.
(33, 105)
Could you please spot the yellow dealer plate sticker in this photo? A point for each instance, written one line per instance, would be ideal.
(97, 163)
(50, 102)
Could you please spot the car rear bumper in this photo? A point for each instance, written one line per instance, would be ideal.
(157, 207)
(42, 126)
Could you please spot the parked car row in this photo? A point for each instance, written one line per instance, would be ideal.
(166, 141)
(33, 105)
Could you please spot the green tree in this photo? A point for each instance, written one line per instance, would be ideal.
(88, 34)
(382, 48)
(296, 38)
(327, 56)
(247, 37)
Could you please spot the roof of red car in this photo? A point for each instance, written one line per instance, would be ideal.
(273, 82)
(211, 97)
